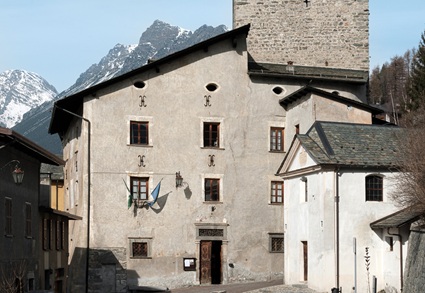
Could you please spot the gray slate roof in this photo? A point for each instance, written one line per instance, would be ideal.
(347, 144)
(398, 219)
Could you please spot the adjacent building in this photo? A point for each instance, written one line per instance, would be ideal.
(34, 248)
(339, 178)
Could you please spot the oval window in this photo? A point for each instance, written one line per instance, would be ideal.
(278, 90)
(140, 84)
(211, 87)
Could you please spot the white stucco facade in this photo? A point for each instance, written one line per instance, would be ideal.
(311, 215)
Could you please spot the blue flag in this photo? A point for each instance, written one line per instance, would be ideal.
(155, 194)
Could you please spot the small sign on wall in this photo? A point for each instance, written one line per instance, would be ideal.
(189, 264)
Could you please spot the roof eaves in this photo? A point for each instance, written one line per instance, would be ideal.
(286, 101)
(398, 219)
(77, 97)
(44, 155)
(308, 72)
(60, 213)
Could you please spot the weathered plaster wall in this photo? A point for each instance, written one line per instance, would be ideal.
(321, 33)
(175, 109)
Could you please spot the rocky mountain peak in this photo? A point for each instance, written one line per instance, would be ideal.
(159, 40)
(20, 91)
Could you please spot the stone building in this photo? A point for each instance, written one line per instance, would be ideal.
(205, 127)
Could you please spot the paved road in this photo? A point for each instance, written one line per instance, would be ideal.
(256, 287)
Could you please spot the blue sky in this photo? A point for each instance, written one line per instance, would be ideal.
(60, 39)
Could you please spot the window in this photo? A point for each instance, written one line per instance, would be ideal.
(139, 84)
(60, 235)
(278, 90)
(47, 234)
(211, 134)
(140, 247)
(139, 187)
(374, 188)
(276, 242)
(28, 222)
(139, 132)
(211, 87)
(8, 215)
(276, 139)
(297, 129)
(212, 189)
(276, 195)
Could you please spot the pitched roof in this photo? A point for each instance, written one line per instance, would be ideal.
(286, 101)
(398, 219)
(353, 145)
(308, 72)
(23, 144)
(73, 102)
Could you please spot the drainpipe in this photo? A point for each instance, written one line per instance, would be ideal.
(401, 256)
(88, 189)
(337, 227)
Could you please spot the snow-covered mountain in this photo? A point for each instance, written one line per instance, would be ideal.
(21, 91)
(158, 41)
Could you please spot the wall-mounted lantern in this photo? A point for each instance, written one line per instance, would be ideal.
(17, 173)
(179, 180)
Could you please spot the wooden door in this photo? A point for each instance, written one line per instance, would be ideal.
(205, 265)
(305, 261)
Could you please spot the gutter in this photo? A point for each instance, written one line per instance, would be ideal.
(337, 174)
(88, 188)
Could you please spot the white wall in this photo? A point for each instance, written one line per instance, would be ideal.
(314, 221)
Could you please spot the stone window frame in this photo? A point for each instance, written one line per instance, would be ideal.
(211, 226)
(218, 177)
(276, 141)
(212, 120)
(142, 119)
(276, 236)
(147, 240)
(138, 194)
(275, 195)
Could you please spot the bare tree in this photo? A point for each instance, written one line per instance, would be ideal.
(12, 276)
(410, 185)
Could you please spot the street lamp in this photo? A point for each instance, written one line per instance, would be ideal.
(17, 173)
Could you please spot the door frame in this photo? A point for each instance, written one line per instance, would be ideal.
(212, 232)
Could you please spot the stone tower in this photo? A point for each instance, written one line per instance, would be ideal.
(319, 33)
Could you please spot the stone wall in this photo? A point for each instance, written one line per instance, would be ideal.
(107, 271)
(414, 281)
(317, 33)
